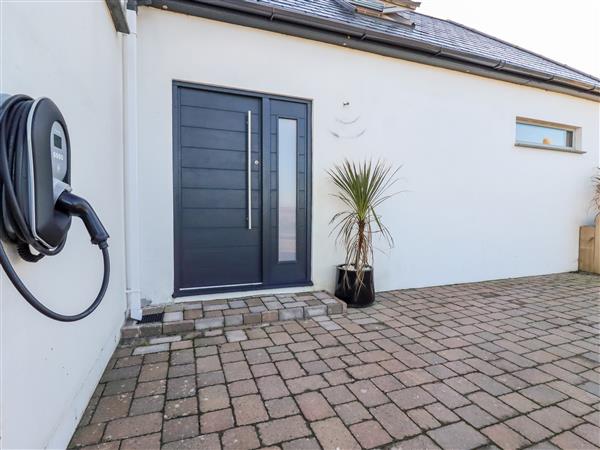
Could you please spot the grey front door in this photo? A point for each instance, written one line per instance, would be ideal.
(241, 200)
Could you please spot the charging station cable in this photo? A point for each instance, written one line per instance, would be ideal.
(14, 114)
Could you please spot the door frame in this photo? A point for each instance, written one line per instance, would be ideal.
(178, 290)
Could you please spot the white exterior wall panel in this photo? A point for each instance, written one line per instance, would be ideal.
(475, 208)
(71, 53)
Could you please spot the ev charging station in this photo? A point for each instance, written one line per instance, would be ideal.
(36, 199)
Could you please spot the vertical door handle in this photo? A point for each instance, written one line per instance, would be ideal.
(249, 164)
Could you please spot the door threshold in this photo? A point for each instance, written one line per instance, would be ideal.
(222, 286)
(215, 293)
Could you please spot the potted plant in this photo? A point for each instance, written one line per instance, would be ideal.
(362, 188)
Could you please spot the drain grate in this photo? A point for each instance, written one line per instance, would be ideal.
(151, 318)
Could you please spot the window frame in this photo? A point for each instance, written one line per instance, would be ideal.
(575, 134)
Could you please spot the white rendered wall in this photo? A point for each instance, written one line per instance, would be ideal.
(476, 207)
(71, 53)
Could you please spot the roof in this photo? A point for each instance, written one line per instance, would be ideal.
(439, 40)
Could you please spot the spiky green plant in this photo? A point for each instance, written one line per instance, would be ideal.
(362, 188)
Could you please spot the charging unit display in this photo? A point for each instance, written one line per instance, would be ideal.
(36, 202)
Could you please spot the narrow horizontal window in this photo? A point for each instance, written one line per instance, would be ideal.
(557, 137)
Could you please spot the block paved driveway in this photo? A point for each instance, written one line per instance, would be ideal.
(508, 364)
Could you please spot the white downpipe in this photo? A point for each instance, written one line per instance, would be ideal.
(131, 184)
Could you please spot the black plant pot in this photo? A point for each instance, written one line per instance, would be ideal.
(347, 287)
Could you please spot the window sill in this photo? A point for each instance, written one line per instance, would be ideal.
(545, 147)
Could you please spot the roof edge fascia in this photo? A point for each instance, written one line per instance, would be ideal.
(283, 21)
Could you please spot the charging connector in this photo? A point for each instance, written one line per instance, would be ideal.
(36, 203)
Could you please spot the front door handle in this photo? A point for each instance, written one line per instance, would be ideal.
(249, 168)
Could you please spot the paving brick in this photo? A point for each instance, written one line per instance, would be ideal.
(210, 378)
(291, 313)
(249, 409)
(216, 421)
(133, 426)
(421, 442)
(151, 349)
(366, 371)
(555, 419)
(261, 370)
(487, 383)
(121, 374)
(575, 407)
(492, 405)
(475, 416)
(181, 428)
(179, 326)
(87, 435)
(461, 385)
(150, 388)
(352, 412)
(415, 377)
(441, 413)
(411, 397)
(148, 442)
(258, 355)
(182, 407)
(280, 430)
(533, 376)
(208, 364)
(114, 445)
(185, 356)
(236, 371)
(146, 405)
(367, 393)
(370, 434)
(458, 436)
(338, 394)
(206, 441)
(394, 421)
(236, 336)
(333, 434)
(571, 441)
(308, 383)
(314, 406)
(120, 387)
(112, 407)
(446, 395)
(423, 419)
(240, 438)
(281, 407)
(152, 372)
(519, 402)
(242, 387)
(576, 392)
(128, 361)
(504, 437)
(589, 432)
(301, 444)
(315, 367)
(528, 428)
(181, 387)
(272, 387)
(208, 323)
(543, 395)
(337, 377)
(212, 398)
